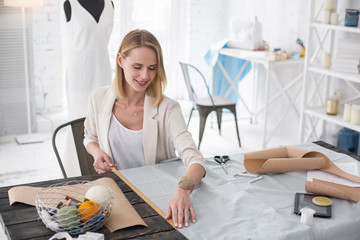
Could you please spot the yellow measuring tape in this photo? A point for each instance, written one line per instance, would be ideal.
(147, 200)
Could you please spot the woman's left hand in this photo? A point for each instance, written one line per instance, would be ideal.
(180, 208)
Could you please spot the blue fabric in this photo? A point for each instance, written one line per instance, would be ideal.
(232, 66)
(212, 54)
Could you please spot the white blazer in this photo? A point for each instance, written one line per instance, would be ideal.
(164, 128)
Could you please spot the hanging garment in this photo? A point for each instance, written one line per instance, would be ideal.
(88, 59)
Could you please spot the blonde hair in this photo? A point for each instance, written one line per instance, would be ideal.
(138, 38)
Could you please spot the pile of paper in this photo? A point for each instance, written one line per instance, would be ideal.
(347, 56)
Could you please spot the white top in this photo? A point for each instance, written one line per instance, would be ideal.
(126, 145)
(164, 128)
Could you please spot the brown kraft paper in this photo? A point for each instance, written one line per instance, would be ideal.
(333, 189)
(123, 215)
(288, 159)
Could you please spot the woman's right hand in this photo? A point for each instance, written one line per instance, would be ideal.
(102, 161)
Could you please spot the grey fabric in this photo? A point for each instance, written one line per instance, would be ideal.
(230, 207)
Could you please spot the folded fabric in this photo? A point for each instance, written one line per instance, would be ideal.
(122, 215)
(288, 159)
(333, 189)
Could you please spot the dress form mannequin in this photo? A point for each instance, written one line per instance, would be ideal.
(94, 7)
(89, 25)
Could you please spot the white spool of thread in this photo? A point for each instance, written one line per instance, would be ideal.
(334, 18)
(307, 215)
(347, 112)
(355, 115)
(325, 16)
(329, 4)
(326, 60)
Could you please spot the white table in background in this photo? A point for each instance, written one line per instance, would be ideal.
(252, 57)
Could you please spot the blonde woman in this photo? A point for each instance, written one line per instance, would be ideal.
(132, 123)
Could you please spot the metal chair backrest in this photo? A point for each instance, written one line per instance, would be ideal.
(192, 93)
(85, 159)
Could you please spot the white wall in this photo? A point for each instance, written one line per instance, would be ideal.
(205, 26)
(282, 21)
(48, 67)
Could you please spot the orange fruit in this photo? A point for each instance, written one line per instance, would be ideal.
(88, 210)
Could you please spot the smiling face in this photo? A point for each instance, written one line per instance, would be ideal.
(141, 47)
(139, 68)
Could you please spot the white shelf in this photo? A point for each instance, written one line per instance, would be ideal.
(342, 75)
(336, 27)
(321, 89)
(320, 112)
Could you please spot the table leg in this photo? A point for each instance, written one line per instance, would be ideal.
(232, 83)
(255, 93)
(266, 103)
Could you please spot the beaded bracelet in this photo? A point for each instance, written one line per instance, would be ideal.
(186, 182)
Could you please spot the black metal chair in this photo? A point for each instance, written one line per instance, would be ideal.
(85, 159)
(205, 105)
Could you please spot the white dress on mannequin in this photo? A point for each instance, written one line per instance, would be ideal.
(88, 60)
(88, 66)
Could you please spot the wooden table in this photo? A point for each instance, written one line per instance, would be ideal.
(21, 220)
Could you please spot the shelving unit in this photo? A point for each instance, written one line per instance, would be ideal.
(336, 27)
(331, 73)
(320, 112)
(318, 80)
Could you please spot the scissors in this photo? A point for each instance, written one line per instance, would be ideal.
(222, 161)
